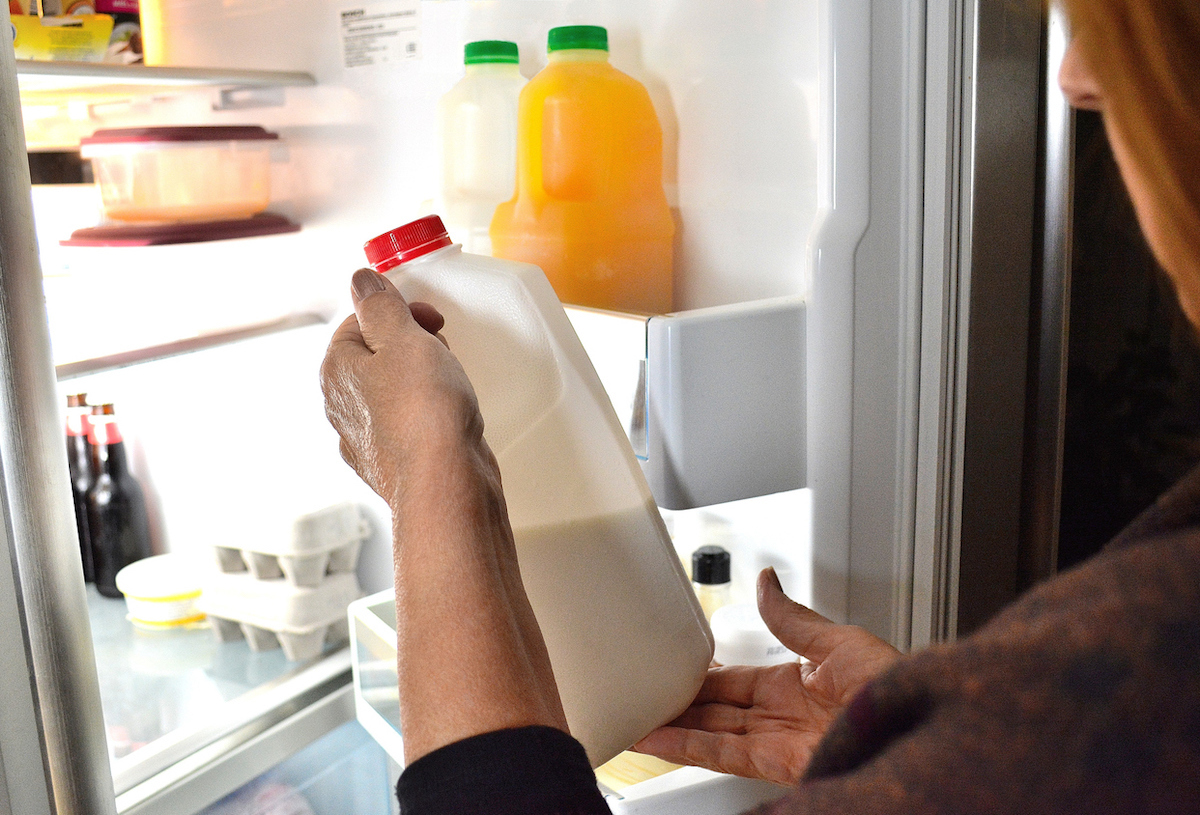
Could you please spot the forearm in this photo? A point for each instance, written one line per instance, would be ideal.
(470, 654)
(471, 658)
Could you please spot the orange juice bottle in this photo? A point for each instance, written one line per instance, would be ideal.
(589, 207)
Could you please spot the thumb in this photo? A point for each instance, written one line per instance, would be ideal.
(379, 306)
(801, 629)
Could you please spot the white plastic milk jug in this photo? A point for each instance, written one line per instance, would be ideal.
(477, 123)
(627, 638)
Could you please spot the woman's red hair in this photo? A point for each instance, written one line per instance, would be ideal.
(1145, 55)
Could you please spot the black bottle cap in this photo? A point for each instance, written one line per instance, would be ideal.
(710, 565)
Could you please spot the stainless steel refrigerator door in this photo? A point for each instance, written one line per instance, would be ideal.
(1042, 505)
(994, 293)
(54, 755)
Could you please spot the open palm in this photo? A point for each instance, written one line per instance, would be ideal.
(765, 722)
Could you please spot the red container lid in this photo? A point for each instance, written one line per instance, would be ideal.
(402, 244)
(184, 133)
(156, 234)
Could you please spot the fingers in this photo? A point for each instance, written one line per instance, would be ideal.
(801, 629)
(388, 314)
(678, 745)
(427, 317)
(732, 685)
(715, 718)
(382, 312)
(345, 346)
(348, 333)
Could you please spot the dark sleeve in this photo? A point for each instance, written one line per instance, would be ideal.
(524, 771)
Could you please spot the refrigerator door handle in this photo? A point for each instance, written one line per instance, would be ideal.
(1038, 548)
(52, 742)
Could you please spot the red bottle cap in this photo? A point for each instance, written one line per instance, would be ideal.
(402, 244)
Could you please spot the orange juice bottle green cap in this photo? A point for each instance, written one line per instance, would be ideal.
(589, 207)
(569, 37)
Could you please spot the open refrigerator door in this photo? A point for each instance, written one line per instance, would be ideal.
(775, 410)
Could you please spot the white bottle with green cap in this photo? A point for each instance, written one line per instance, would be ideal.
(477, 120)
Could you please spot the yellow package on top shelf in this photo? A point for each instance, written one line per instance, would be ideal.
(82, 37)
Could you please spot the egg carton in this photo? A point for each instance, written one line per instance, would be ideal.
(273, 614)
(297, 646)
(322, 543)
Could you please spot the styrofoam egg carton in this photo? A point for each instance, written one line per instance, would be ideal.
(274, 613)
(323, 542)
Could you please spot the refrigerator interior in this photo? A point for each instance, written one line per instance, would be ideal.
(343, 771)
(356, 158)
(230, 441)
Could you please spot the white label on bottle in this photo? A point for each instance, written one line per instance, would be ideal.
(381, 33)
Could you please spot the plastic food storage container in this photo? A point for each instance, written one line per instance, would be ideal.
(161, 592)
(193, 173)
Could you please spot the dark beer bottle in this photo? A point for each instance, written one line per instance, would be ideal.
(116, 507)
(79, 460)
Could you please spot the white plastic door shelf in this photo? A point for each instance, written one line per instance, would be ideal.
(726, 403)
(693, 791)
(714, 398)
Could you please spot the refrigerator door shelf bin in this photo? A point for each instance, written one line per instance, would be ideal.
(714, 398)
(693, 791)
(373, 661)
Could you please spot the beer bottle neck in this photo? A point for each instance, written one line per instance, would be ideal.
(77, 421)
(108, 448)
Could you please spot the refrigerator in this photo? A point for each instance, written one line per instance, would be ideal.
(860, 383)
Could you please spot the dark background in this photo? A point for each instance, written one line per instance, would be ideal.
(1133, 365)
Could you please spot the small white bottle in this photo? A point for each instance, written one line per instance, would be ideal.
(477, 123)
(742, 638)
(711, 578)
